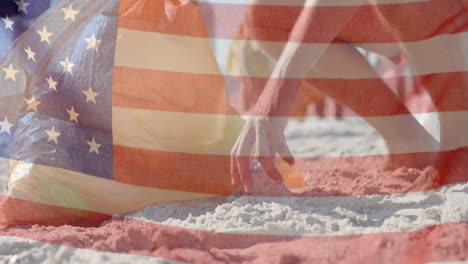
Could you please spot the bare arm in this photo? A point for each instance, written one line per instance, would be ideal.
(264, 134)
(297, 58)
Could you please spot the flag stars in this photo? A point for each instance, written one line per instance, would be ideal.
(31, 54)
(93, 146)
(5, 126)
(70, 13)
(67, 66)
(32, 103)
(52, 83)
(93, 43)
(45, 35)
(90, 95)
(73, 115)
(22, 5)
(52, 135)
(10, 72)
(8, 23)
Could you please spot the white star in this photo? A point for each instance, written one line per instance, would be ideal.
(8, 23)
(67, 66)
(94, 147)
(90, 95)
(10, 72)
(45, 35)
(32, 103)
(73, 115)
(31, 54)
(53, 135)
(22, 6)
(93, 43)
(5, 126)
(52, 83)
(69, 13)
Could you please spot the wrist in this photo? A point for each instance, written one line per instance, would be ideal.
(279, 98)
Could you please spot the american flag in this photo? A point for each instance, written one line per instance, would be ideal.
(109, 106)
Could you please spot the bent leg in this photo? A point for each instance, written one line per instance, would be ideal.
(372, 99)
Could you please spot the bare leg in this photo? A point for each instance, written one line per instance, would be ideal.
(449, 100)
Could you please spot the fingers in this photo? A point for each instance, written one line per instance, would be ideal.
(290, 160)
(243, 165)
(243, 159)
(240, 159)
(320, 108)
(269, 167)
(235, 177)
(259, 131)
(339, 111)
(265, 155)
(284, 152)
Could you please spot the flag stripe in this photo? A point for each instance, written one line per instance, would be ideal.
(23, 212)
(149, 129)
(206, 93)
(405, 247)
(31, 182)
(156, 51)
(174, 131)
(274, 23)
(211, 173)
(169, 91)
(310, 2)
(160, 169)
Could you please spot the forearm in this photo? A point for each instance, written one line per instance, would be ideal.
(299, 57)
(279, 97)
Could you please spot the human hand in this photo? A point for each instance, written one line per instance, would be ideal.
(266, 134)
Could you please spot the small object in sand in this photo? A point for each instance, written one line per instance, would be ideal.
(263, 185)
(255, 166)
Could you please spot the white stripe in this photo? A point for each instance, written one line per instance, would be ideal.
(316, 216)
(440, 54)
(71, 189)
(310, 2)
(157, 51)
(174, 131)
(32, 251)
(213, 133)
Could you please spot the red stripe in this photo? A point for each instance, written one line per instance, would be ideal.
(204, 93)
(408, 22)
(366, 97)
(21, 212)
(444, 242)
(169, 91)
(383, 174)
(447, 91)
(172, 170)
(199, 173)
(348, 176)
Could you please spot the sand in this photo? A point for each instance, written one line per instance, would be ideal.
(333, 228)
